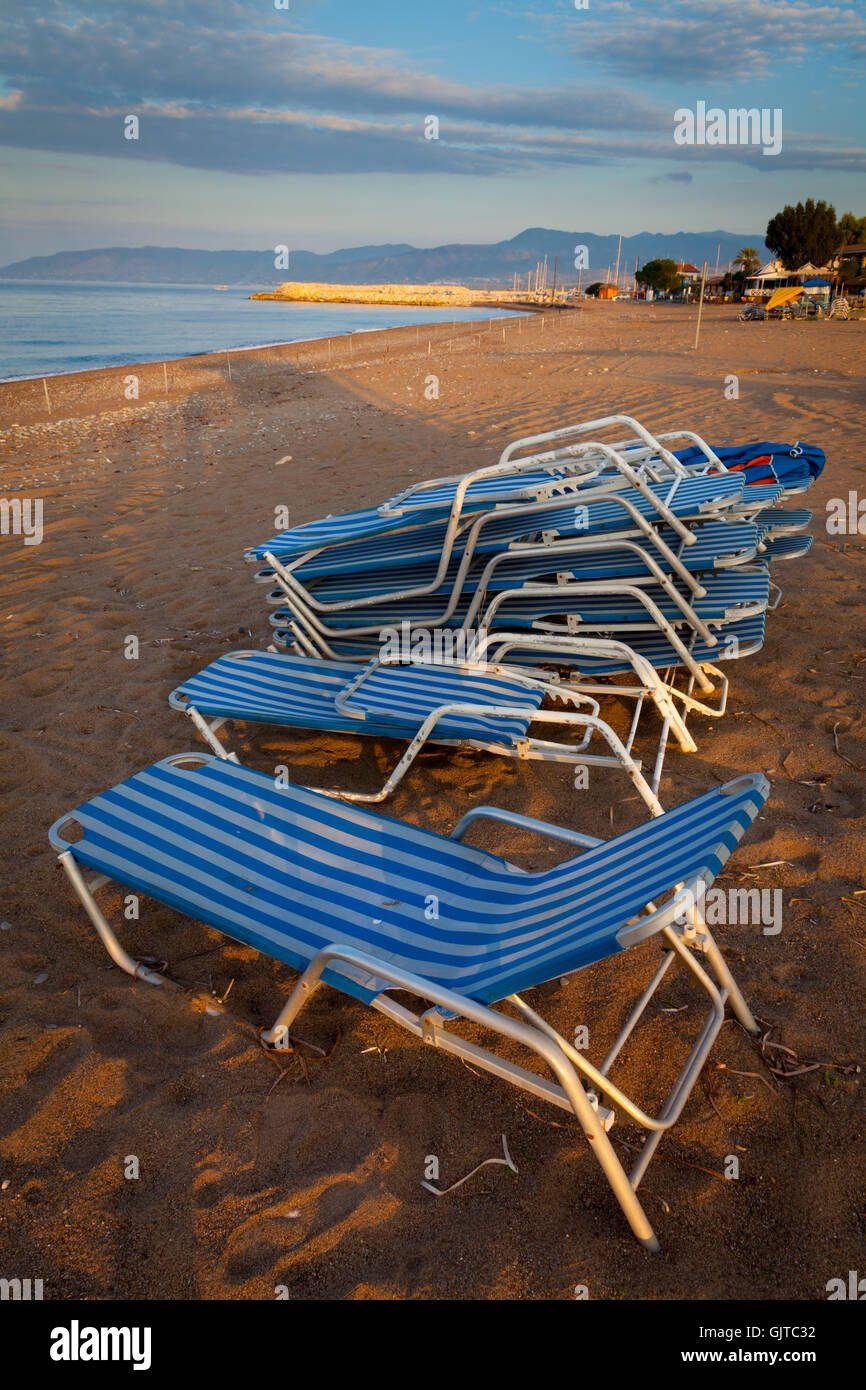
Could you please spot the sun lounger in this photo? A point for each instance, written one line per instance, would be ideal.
(783, 521)
(587, 663)
(674, 502)
(464, 705)
(616, 608)
(786, 547)
(372, 906)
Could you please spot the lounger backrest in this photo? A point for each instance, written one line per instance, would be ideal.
(288, 871)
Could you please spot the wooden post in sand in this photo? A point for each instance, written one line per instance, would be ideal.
(165, 377)
(228, 364)
(47, 397)
(701, 305)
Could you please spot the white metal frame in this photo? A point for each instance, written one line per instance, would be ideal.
(528, 749)
(577, 1084)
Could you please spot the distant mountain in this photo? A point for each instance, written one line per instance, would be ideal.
(175, 265)
(459, 263)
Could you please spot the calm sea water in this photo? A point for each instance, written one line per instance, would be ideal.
(45, 329)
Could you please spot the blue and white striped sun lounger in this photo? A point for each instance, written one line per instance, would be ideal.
(736, 640)
(605, 510)
(783, 521)
(719, 544)
(371, 905)
(463, 705)
(615, 608)
(786, 547)
(649, 658)
(599, 603)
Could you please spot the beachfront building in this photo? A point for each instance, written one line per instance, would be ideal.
(846, 256)
(720, 287)
(770, 277)
(818, 281)
(691, 277)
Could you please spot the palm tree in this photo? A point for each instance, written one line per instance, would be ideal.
(748, 260)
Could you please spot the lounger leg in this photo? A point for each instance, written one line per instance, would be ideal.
(278, 1035)
(479, 1013)
(106, 935)
(208, 734)
(614, 1172)
(719, 967)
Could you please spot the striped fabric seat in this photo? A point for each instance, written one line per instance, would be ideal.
(736, 640)
(787, 547)
(296, 692)
(717, 540)
(289, 871)
(783, 521)
(759, 495)
(693, 498)
(729, 593)
(377, 522)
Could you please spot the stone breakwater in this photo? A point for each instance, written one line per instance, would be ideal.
(425, 296)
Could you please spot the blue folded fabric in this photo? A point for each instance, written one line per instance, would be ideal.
(791, 463)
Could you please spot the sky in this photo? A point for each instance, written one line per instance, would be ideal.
(305, 126)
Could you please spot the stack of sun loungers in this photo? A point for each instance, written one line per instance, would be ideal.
(470, 611)
(602, 570)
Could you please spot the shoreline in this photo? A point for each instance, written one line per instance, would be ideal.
(164, 377)
(483, 311)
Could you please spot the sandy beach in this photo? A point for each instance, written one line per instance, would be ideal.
(257, 1172)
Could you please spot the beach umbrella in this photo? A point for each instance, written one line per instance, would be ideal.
(784, 296)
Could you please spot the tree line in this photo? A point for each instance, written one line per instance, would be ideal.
(809, 232)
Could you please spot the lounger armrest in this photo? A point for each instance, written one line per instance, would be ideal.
(554, 832)
(677, 908)
(55, 836)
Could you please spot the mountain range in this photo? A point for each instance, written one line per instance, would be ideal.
(479, 265)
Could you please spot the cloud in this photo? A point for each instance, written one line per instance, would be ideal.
(701, 40)
(683, 177)
(145, 54)
(229, 86)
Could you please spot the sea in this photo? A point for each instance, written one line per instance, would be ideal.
(48, 329)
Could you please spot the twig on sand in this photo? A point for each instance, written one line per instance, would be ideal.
(680, 1162)
(840, 754)
(755, 1075)
(709, 1094)
(506, 1162)
(786, 1069)
(291, 1046)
